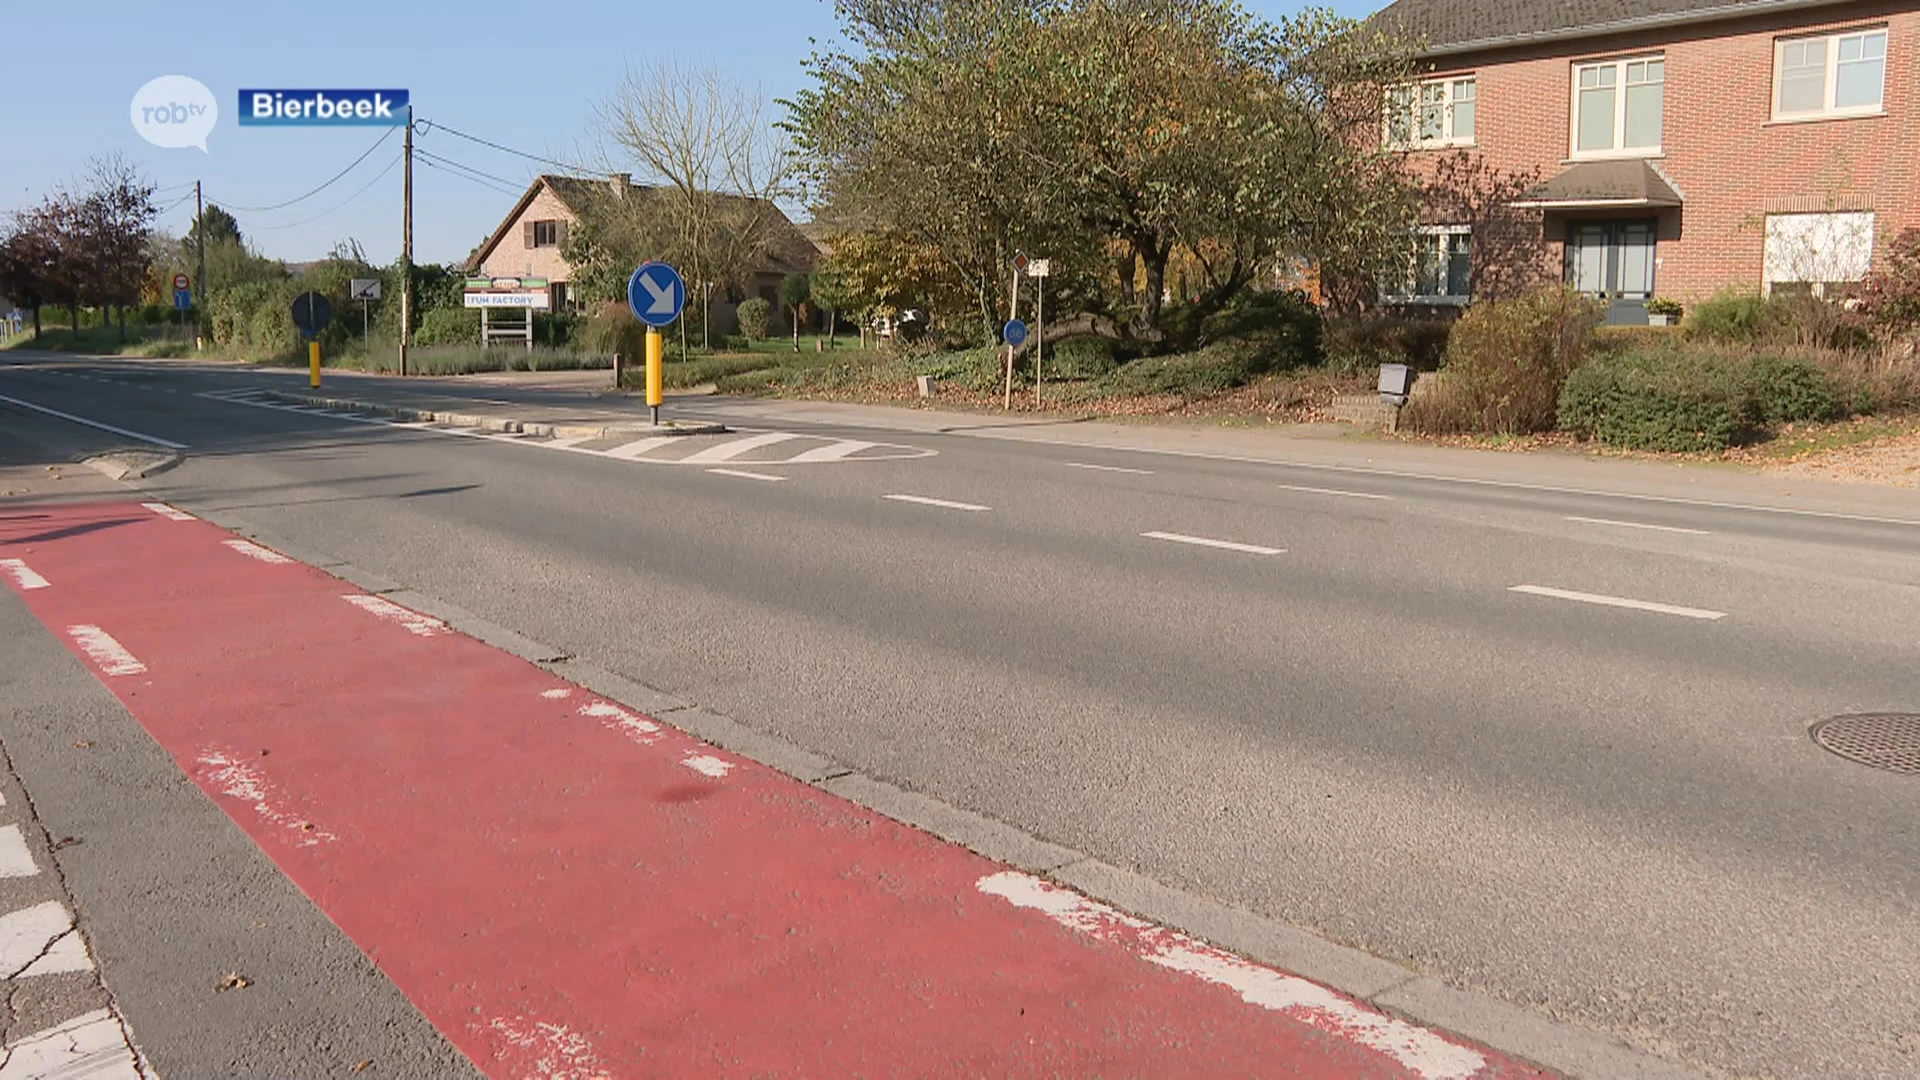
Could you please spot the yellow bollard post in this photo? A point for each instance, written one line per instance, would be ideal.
(656, 374)
(313, 363)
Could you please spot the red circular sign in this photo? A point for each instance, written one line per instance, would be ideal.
(180, 281)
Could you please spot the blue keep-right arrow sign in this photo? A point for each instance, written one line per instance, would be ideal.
(656, 294)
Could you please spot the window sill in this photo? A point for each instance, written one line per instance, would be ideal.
(1415, 148)
(1820, 118)
(1424, 301)
(1652, 154)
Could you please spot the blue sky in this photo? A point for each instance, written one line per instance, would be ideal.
(524, 75)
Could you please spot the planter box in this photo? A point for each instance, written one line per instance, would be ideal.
(1661, 320)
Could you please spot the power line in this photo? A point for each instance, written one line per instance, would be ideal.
(338, 206)
(468, 168)
(175, 203)
(427, 126)
(388, 134)
(488, 184)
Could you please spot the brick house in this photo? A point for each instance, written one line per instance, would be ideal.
(528, 242)
(1642, 148)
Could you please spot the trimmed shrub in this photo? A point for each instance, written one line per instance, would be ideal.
(1360, 343)
(1733, 317)
(1213, 370)
(1662, 399)
(755, 316)
(1288, 322)
(1506, 362)
(1087, 357)
(448, 326)
(1792, 390)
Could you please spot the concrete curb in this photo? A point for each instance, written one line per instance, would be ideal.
(1574, 1052)
(133, 465)
(500, 425)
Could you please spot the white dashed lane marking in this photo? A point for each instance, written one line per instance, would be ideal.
(768, 477)
(22, 574)
(387, 611)
(1619, 602)
(40, 940)
(1109, 468)
(1223, 545)
(1336, 492)
(1640, 525)
(921, 500)
(168, 512)
(15, 860)
(255, 551)
(108, 655)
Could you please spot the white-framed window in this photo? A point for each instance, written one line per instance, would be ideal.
(1832, 75)
(545, 234)
(1439, 268)
(1619, 106)
(1818, 254)
(1431, 114)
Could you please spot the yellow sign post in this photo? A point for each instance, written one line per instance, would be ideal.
(656, 372)
(313, 364)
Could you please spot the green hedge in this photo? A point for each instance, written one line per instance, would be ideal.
(1792, 390)
(1662, 399)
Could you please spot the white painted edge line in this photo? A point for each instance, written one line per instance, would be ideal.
(637, 728)
(1107, 468)
(639, 448)
(1639, 525)
(91, 1046)
(380, 608)
(838, 450)
(734, 448)
(15, 860)
(109, 655)
(707, 765)
(1620, 602)
(1335, 491)
(239, 778)
(744, 475)
(922, 500)
(168, 512)
(254, 551)
(1428, 1054)
(23, 575)
(154, 439)
(1224, 545)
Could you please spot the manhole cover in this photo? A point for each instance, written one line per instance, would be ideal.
(1889, 741)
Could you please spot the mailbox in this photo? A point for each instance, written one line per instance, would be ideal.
(1396, 382)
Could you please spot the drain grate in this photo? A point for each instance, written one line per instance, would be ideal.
(1889, 741)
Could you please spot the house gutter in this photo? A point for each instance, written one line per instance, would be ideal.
(1730, 10)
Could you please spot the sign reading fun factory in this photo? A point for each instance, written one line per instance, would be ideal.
(503, 292)
(323, 108)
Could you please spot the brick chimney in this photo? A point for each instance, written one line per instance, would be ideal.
(621, 183)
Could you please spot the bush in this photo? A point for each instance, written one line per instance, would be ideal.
(271, 331)
(1791, 390)
(1360, 343)
(448, 326)
(1890, 297)
(615, 330)
(1506, 362)
(1212, 370)
(1733, 317)
(755, 316)
(1662, 399)
(1086, 357)
(1288, 321)
(154, 314)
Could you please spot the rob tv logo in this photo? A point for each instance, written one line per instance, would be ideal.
(175, 111)
(323, 108)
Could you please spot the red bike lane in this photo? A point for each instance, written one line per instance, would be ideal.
(570, 890)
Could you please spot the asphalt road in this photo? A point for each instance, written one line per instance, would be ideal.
(1347, 718)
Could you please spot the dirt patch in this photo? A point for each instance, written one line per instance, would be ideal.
(1892, 458)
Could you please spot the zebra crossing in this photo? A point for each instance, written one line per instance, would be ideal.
(641, 444)
(60, 1022)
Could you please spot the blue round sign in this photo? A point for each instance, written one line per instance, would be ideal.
(656, 294)
(1014, 333)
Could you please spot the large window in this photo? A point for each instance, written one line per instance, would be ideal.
(1835, 75)
(1437, 113)
(1818, 254)
(1619, 106)
(545, 234)
(1439, 268)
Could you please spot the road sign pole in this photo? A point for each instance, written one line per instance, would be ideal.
(1010, 318)
(1039, 335)
(313, 363)
(656, 377)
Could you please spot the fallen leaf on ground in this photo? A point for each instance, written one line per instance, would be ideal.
(83, 744)
(233, 981)
(363, 1065)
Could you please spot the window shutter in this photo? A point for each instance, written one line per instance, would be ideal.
(526, 227)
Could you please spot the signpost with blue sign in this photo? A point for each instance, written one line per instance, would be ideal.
(1014, 333)
(657, 294)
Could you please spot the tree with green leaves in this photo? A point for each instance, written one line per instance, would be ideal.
(833, 293)
(795, 290)
(1109, 136)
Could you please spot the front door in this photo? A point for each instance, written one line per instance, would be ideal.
(1613, 261)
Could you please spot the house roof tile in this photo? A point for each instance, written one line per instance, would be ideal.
(1451, 26)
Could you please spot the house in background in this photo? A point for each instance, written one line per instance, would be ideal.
(529, 239)
(1657, 147)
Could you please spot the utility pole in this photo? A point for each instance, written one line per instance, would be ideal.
(200, 230)
(406, 249)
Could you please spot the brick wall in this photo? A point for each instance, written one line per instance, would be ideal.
(1721, 149)
(513, 258)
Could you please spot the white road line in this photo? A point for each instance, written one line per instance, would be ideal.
(1640, 525)
(839, 450)
(708, 765)
(1426, 1054)
(15, 860)
(154, 439)
(416, 624)
(91, 1046)
(1109, 468)
(768, 477)
(1619, 602)
(255, 551)
(633, 451)
(563, 444)
(727, 451)
(39, 941)
(109, 655)
(241, 779)
(1224, 545)
(1334, 491)
(22, 574)
(942, 503)
(168, 512)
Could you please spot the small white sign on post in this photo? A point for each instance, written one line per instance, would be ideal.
(1037, 268)
(364, 289)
